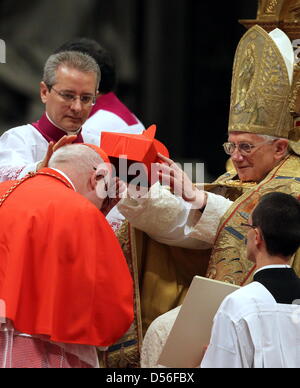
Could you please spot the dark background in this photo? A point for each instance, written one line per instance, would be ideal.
(174, 60)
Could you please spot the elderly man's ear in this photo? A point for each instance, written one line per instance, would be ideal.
(281, 147)
(93, 180)
(100, 181)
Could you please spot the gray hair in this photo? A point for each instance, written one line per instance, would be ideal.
(272, 138)
(268, 137)
(82, 158)
(73, 59)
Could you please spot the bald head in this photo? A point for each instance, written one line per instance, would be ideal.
(79, 162)
(77, 157)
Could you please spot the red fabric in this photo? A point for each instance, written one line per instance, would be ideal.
(62, 271)
(137, 148)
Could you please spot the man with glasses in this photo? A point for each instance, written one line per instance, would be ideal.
(247, 149)
(69, 89)
(109, 113)
(264, 148)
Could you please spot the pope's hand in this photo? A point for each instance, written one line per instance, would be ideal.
(170, 174)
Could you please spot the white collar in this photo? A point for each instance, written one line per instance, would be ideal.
(273, 266)
(65, 176)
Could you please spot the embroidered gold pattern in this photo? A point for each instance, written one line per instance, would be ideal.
(260, 87)
(228, 261)
(125, 353)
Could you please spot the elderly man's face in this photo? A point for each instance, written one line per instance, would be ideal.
(259, 162)
(69, 115)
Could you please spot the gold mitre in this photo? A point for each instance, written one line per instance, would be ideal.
(261, 84)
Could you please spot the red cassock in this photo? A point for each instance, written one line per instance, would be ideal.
(62, 271)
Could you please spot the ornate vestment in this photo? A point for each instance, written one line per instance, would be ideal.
(228, 261)
(163, 273)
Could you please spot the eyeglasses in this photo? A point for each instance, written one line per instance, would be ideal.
(85, 99)
(243, 148)
(248, 225)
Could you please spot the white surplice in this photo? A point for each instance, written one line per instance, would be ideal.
(109, 114)
(105, 121)
(23, 147)
(251, 330)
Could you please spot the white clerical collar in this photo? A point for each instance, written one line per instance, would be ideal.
(272, 266)
(65, 176)
(62, 129)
